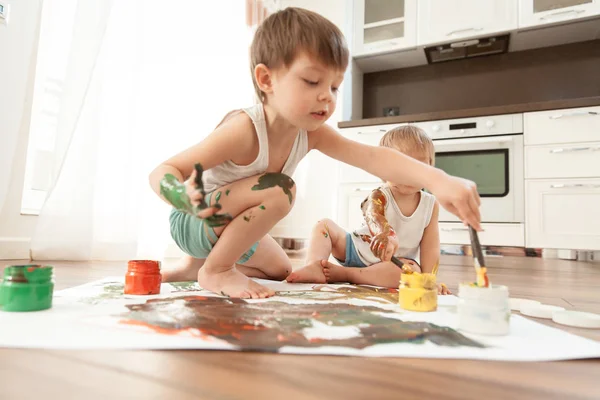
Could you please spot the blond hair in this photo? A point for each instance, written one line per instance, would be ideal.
(282, 35)
(409, 139)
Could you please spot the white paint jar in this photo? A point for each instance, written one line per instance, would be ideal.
(483, 311)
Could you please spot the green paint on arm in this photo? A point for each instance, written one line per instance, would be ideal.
(218, 197)
(272, 179)
(227, 192)
(262, 207)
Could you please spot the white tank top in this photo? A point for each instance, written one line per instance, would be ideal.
(409, 229)
(229, 171)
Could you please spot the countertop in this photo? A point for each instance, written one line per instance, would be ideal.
(475, 112)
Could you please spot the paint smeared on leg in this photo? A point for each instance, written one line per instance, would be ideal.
(271, 179)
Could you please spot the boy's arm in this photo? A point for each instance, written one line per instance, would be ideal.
(229, 140)
(381, 231)
(430, 242)
(457, 195)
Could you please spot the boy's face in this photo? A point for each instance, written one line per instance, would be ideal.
(305, 93)
(405, 189)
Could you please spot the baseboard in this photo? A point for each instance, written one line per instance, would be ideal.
(15, 248)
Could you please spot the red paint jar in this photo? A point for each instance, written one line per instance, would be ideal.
(143, 277)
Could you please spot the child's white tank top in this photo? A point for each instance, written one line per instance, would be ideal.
(229, 171)
(409, 229)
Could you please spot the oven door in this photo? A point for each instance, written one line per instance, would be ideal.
(495, 164)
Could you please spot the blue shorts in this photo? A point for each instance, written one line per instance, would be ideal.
(195, 238)
(352, 258)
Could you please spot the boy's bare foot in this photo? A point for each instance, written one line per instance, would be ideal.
(310, 273)
(334, 273)
(232, 283)
(185, 270)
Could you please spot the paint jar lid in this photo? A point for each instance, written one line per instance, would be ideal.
(143, 266)
(539, 310)
(577, 319)
(32, 273)
(491, 293)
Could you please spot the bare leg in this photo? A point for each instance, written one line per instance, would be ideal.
(385, 274)
(256, 204)
(326, 238)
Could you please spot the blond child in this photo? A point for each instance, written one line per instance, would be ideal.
(298, 60)
(400, 221)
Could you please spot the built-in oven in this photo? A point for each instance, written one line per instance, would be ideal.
(488, 151)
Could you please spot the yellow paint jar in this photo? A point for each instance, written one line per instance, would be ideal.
(418, 292)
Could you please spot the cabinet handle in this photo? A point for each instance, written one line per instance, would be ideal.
(371, 132)
(559, 13)
(463, 30)
(454, 229)
(575, 185)
(574, 114)
(573, 149)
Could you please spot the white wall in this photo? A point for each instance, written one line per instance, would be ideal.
(316, 176)
(18, 47)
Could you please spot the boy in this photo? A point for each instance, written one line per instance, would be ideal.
(298, 60)
(401, 221)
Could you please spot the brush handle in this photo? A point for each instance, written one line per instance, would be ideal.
(477, 252)
(398, 263)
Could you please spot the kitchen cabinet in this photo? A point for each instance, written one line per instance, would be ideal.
(455, 233)
(446, 21)
(382, 26)
(563, 214)
(562, 185)
(533, 13)
(572, 125)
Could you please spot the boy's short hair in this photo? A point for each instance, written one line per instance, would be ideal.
(282, 35)
(409, 138)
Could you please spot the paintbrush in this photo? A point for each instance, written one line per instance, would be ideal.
(480, 269)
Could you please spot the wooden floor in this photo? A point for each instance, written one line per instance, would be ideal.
(235, 375)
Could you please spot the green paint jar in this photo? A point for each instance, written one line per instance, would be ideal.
(27, 288)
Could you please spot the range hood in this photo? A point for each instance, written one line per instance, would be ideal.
(467, 49)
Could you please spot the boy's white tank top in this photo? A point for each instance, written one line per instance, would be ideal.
(409, 229)
(229, 171)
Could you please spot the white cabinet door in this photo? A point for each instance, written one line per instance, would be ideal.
(545, 12)
(563, 214)
(382, 26)
(579, 160)
(562, 126)
(349, 200)
(492, 235)
(445, 21)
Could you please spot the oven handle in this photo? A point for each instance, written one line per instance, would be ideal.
(503, 139)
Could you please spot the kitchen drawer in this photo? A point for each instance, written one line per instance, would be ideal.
(370, 135)
(493, 234)
(581, 160)
(572, 125)
(563, 214)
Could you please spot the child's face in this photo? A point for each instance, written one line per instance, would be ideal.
(305, 93)
(405, 189)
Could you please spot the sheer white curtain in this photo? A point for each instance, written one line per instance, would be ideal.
(143, 80)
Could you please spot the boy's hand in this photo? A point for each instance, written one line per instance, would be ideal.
(196, 197)
(384, 246)
(443, 289)
(460, 197)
